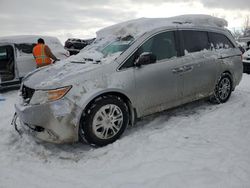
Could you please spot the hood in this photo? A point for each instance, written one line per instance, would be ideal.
(59, 74)
(69, 71)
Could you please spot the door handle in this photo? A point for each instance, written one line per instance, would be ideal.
(188, 68)
(174, 70)
(178, 70)
(184, 68)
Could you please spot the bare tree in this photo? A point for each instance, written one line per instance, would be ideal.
(237, 33)
(246, 26)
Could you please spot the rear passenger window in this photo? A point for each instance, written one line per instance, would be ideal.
(195, 41)
(219, 41)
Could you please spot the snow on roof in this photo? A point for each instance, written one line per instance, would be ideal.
(26, 39)
(139, 26)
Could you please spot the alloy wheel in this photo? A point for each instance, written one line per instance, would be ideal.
(224, 88)
(107, 121)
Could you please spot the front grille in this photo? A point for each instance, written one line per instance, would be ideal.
(27, 93)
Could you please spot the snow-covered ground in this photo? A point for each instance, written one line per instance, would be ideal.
(197, 145)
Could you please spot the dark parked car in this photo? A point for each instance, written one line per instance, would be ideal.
(75, 45)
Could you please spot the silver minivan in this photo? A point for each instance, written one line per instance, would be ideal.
(131, 70)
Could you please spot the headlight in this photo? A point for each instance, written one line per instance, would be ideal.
(44, 96)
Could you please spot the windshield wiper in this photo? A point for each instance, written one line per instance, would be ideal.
(88, 59)
(94, 61)
(79, 62)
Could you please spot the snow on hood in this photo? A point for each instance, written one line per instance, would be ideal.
(57, 74)
(63, 71)
(137, 27)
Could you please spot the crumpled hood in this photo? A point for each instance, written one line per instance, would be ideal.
(59, 74)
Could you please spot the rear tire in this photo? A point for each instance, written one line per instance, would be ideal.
(223, 89)
(104, 121)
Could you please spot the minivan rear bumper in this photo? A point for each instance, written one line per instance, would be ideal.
(54, 122)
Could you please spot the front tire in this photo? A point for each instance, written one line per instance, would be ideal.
(104, 121)
(223, 89)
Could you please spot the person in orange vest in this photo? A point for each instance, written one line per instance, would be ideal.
(43, 54)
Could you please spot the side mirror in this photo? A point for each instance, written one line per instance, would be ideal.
(145, 59)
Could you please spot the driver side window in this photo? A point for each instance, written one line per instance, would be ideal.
(162, 45)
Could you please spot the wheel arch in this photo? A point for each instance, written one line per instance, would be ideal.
(124, 97)
(227, 72)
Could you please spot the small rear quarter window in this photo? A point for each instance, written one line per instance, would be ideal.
(219, 41)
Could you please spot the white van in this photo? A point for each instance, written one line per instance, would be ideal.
(16, 58)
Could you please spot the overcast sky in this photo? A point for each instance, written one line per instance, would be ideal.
(82, 18)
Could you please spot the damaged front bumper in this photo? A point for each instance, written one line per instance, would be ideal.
(55, 122)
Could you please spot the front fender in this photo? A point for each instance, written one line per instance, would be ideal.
(82, 97)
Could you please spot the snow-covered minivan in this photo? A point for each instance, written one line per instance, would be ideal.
(16, 59)
(131, 70)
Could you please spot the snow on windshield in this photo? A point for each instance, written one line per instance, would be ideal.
(136, 28)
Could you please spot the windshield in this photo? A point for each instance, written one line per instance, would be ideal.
(119, 45)
(101, 48)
